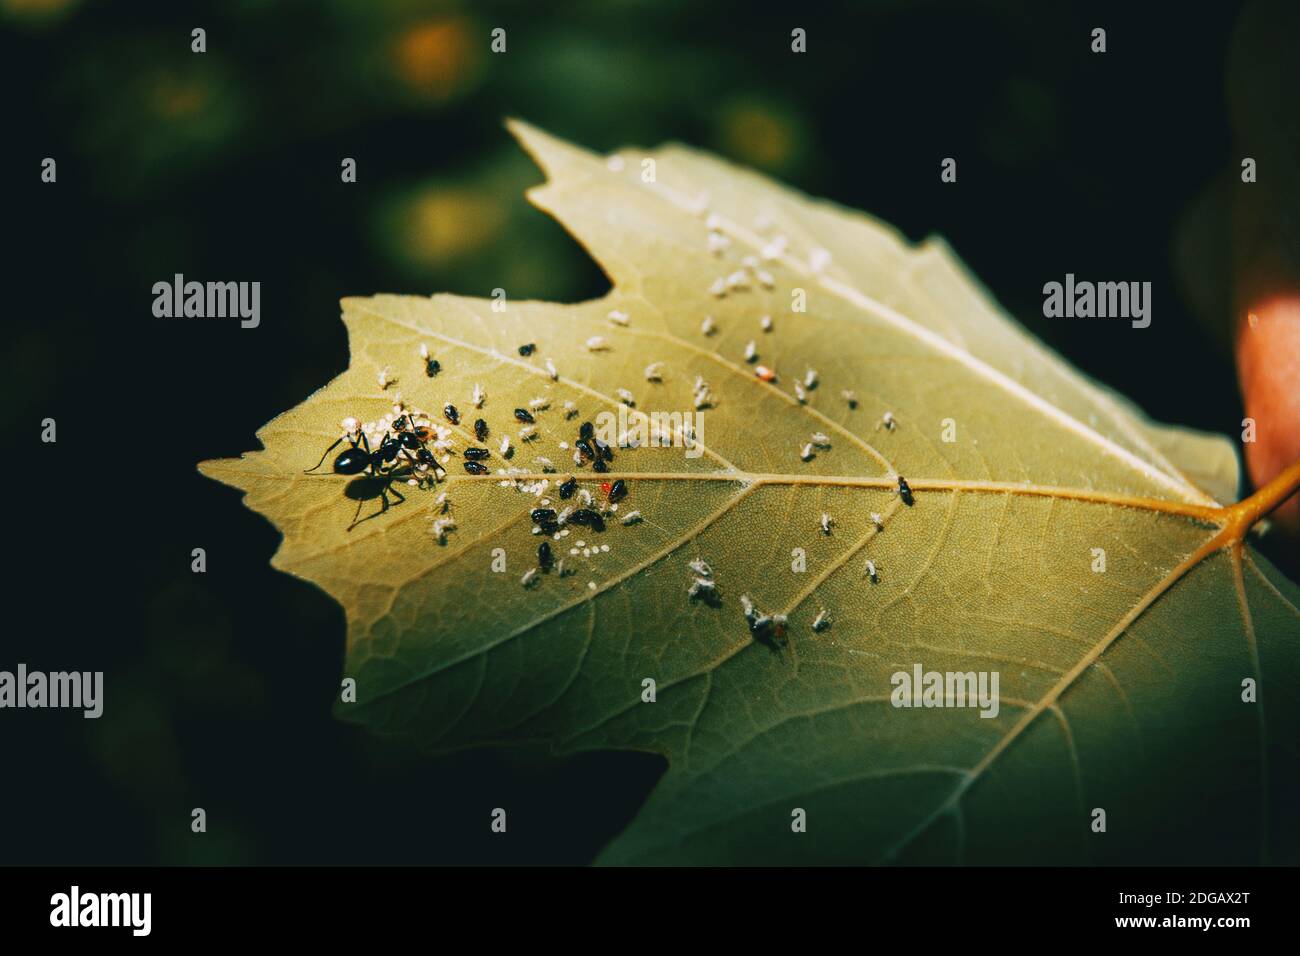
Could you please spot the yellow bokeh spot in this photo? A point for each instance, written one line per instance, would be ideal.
(175, 99)
(436, 59)
(37, 9)
(758, 135)
(443, 224)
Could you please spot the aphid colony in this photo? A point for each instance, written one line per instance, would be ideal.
(408, 445)
(402, 446)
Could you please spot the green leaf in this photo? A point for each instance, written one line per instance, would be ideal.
(1120, 690)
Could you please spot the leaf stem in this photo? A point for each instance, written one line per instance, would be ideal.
(1244, 514)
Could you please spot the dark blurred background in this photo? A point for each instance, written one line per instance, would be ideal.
(225, 165)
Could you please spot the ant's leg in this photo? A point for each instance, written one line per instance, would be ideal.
(400, 497)
(323, 457)
(357, 514)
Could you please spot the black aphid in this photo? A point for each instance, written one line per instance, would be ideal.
(432, 367)
(599, 466)
(568, 488)
(904, 491)
(480, 429)
(585, 448)
(543, 515)
(603, 450)
(524, 415)
(619, 491)
(476, 454)
(586, 431)
(544, 558)
(453, 416)
(527, 350)
(474, 468)
(589, 518)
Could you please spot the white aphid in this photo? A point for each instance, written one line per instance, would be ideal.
(738, 280)
(888, 422)
(530, 576)
(563, 516)
(826, 523)
(807, 453)
(751, 351)
(717, 243)
(545, 463)
(528, 433)
(708, 326)
(626, 397)
(821, 440)
(765, 323)
(441, 526)
(570, 409)
(765, 279)
(701, 586)
(747, 606)
(350, 426)
(850, 396)
(424, 351)
(505, 446)
(550, 370)
(800, 393)
(775, 248)
(878, 521)
(821, 621)
(537, 404)
(632, 517)
(703, 399)
(384, 380)
(810, 378)
(584, 496)
(869, 569)
(618, 317)
(596, 344)
(819, 259)
(442, 502)
(718, 289)
(654, 372)
(701, 567)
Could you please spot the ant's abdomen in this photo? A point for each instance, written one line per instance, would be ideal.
(351, 462)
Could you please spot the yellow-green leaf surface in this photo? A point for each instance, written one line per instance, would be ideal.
(1120, 689)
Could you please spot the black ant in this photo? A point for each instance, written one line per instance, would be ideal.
(376, 470)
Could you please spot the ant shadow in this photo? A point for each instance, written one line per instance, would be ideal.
(369, 487)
